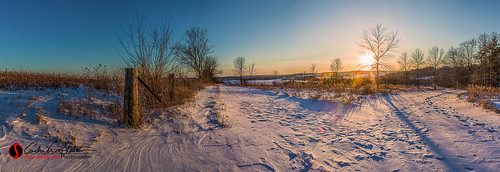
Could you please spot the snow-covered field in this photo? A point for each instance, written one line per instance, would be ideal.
(415, 131)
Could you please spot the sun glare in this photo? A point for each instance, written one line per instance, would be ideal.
(366, 60)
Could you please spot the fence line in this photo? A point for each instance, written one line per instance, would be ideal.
(151, 91)
(131, 114)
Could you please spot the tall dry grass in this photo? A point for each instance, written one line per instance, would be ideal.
(99, 84)
(360, 86)
(17, 80)
(483, 96)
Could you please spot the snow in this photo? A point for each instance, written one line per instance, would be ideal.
(277, 131)
(426, 78)
(261, 82)
(495, 103)
(255, 82)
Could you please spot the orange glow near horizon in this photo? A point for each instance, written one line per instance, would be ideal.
(366, 60)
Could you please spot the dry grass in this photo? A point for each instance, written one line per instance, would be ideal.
(64, 136)
(18, 80)
(347, 91)
(184, 90)
(99, 83)
(219, 109)
(357, 86)
(116, 110)
(81, 107)
(482, 95)
(41, 118)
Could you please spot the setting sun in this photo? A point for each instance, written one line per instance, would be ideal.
(365, 60)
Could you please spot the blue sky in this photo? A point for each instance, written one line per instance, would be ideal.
(63, 36)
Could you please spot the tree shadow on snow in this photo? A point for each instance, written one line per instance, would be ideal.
(402, 115)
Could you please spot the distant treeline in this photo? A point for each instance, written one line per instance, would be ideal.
(473, 62)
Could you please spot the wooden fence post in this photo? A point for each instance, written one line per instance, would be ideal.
(171, 78)
(131, 99)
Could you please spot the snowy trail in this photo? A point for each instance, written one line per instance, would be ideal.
(420, 131)
(462, 139)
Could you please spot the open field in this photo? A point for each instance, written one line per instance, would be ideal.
(269, 131)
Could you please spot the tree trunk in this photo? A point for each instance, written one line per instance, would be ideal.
(418, 82)
(435, 80)
(406, 77)
(376, 77)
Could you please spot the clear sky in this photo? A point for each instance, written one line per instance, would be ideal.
(63, 36)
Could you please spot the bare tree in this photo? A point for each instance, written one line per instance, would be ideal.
(469, 50)
(404, 62)
(381, 43)
(251, 69)
(435, 59)
(456, 60)
(240, 67)
(195, 50)
(417, 61)
(275, 73)
(313, 71)
(149, 48)
(336, 67)
(211, 68)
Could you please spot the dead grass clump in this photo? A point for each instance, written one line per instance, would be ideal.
(41, 119)
(63, 136)
(348, 100)
(366, 90)
(483, 95)
(79, 108)
(116, 110)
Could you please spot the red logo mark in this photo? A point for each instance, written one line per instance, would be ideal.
(15, 151)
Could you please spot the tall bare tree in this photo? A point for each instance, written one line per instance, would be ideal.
(251, 69)
(240, 67)
(149, 48)
(456, 60)
(195, 50)
(313, 71)
(435, 59)
(417, 61)
(336, 67)
(275, 73)
(469, 49)
(381, 43)
(404, 63)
